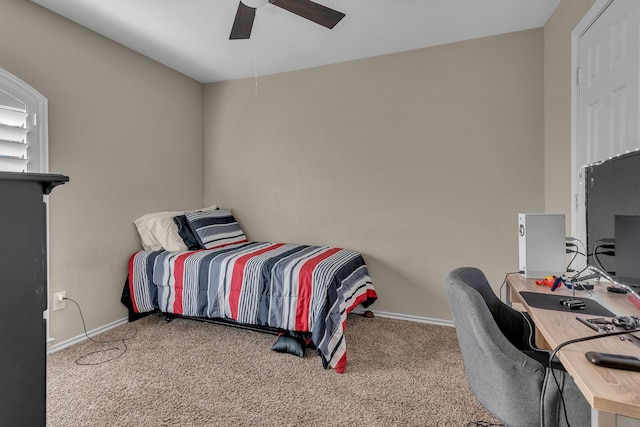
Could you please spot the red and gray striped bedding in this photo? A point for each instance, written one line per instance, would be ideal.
(286, 286)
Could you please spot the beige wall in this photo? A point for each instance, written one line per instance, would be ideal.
(557, 105)
(420, 160)
(128, 132)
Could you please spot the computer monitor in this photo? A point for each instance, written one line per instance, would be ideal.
(627, 248)
(612, 197)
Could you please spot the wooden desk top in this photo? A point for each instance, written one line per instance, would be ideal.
(610, 390)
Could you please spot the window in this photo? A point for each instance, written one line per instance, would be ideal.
(23, 126)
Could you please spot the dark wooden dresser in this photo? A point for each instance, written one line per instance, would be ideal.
(23, 296)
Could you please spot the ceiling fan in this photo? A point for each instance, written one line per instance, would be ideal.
(307, 9)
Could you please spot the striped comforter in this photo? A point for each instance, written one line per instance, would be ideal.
(287, 286)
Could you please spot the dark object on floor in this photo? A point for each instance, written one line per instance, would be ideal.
(616, 290)
(368, 314)
(289, 344)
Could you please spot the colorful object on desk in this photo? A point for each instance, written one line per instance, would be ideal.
(551, 281)
(547, 281)
(557, 283)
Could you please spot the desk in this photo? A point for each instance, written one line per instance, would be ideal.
(608, 391)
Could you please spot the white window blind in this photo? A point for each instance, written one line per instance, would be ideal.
(23, 126)
(14, 143)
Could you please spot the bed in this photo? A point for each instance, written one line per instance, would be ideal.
(303, 290)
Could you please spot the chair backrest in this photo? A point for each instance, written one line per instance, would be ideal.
(475, 278)
(511, 322)
(504, 380)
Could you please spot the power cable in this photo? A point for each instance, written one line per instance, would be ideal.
(573, 341)
(123, 340)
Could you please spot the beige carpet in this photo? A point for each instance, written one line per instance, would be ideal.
(189, 373)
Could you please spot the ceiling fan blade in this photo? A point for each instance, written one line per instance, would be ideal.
(312, 11)
(243, 23)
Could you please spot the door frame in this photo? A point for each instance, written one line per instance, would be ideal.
(594, 12)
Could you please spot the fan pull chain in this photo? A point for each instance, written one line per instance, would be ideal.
(255, 70)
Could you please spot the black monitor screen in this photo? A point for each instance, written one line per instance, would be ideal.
(613, 217)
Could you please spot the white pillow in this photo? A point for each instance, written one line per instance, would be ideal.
(159, 232)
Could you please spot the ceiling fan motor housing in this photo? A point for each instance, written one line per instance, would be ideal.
(255, 3)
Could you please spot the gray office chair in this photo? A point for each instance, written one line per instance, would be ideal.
(516, 326)
(514, 387)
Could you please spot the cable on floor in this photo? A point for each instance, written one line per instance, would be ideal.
(121, 349)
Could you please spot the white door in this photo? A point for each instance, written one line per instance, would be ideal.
(607, 85)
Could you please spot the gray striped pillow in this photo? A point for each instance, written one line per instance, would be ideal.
(215, 228)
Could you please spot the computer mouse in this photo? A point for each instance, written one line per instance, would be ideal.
(572, 304)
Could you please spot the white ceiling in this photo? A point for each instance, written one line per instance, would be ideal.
(192, 36)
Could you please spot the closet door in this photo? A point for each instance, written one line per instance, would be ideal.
(608, 83)
(607, 79)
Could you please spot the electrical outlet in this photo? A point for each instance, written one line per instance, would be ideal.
(59, 301)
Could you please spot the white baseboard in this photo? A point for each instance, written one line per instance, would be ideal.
(82, 337)
(397, 316)
(408, 317)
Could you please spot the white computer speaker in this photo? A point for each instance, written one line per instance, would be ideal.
(541, 243)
